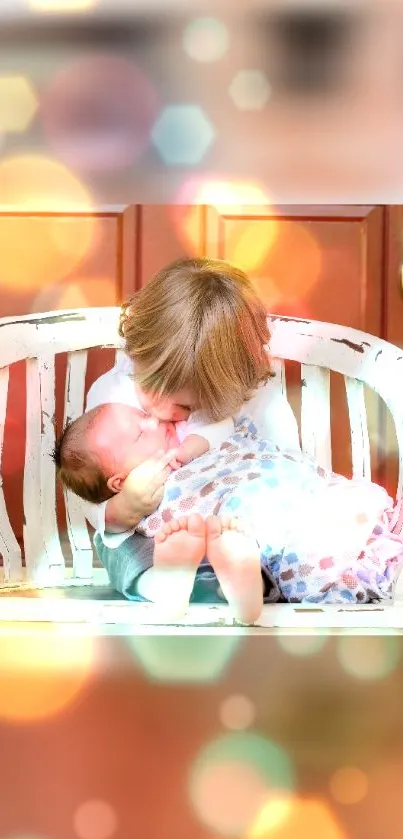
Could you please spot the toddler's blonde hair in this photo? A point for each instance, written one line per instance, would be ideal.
(199, 324)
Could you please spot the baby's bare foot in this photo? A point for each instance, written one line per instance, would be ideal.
(235, 557)
(179, 547)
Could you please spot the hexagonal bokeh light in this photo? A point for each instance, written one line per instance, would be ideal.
(182, 135)
(250, 90)
(18, 103)
(184, 658)
(205, 39)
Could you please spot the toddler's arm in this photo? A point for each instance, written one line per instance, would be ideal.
(198, 436)
(192, 447)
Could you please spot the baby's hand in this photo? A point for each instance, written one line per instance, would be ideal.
(143, 488)
(175, 463)
(192, 447)
(185, 455)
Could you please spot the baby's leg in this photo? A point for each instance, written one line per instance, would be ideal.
(179, 548)
(235, 557)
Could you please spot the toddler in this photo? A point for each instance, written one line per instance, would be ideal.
(305, 532)
(196, 350)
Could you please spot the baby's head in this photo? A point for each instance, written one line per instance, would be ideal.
(97, 451)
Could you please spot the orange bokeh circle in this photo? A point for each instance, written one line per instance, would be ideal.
(47, 223)
(42, 670)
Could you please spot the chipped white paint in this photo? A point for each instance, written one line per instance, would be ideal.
(360, 449)
(79, 539)
(278, 368)
(47, 488)
(318, 347)
(315, 414)
(103, 617)
(9, 547)
(347, 351)
(36, 551)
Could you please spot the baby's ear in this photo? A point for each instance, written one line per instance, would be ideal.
(115, 483)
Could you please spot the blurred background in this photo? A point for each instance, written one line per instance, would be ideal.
(262, 132)
(302, 97)
(268, 134)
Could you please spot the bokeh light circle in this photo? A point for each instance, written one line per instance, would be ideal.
(369, 657)
(95, 819)
(348, 785)
(23, 836)
(223, 194)
(42, 670)
(248, 241)
(38, 249)
(295, 819)
(237, 712)
(232, 779)
(184, 658)
(270, 818)
(206, 39)
(18, 103)
(295, 276)
(301, 644)
(250, 90)
(36, 183)
(61, 6)
(84, 292)
(98, 113)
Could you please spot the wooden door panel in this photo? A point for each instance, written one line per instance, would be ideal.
(45, 276)
(393, 330)
(167, 233)
(323, 263)
(53, 261)
(318, 262)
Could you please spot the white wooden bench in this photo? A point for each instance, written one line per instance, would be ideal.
(37, 339)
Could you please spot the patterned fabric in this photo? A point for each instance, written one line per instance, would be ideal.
(323, 537)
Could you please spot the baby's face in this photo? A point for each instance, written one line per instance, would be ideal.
(125, 439)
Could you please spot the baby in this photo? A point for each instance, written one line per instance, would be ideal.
(94, 456)
(324, 538)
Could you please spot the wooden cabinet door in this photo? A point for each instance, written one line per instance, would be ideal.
(59, 261)
(167, 232)
(318, 262)
(393, 331)
(66, 260)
